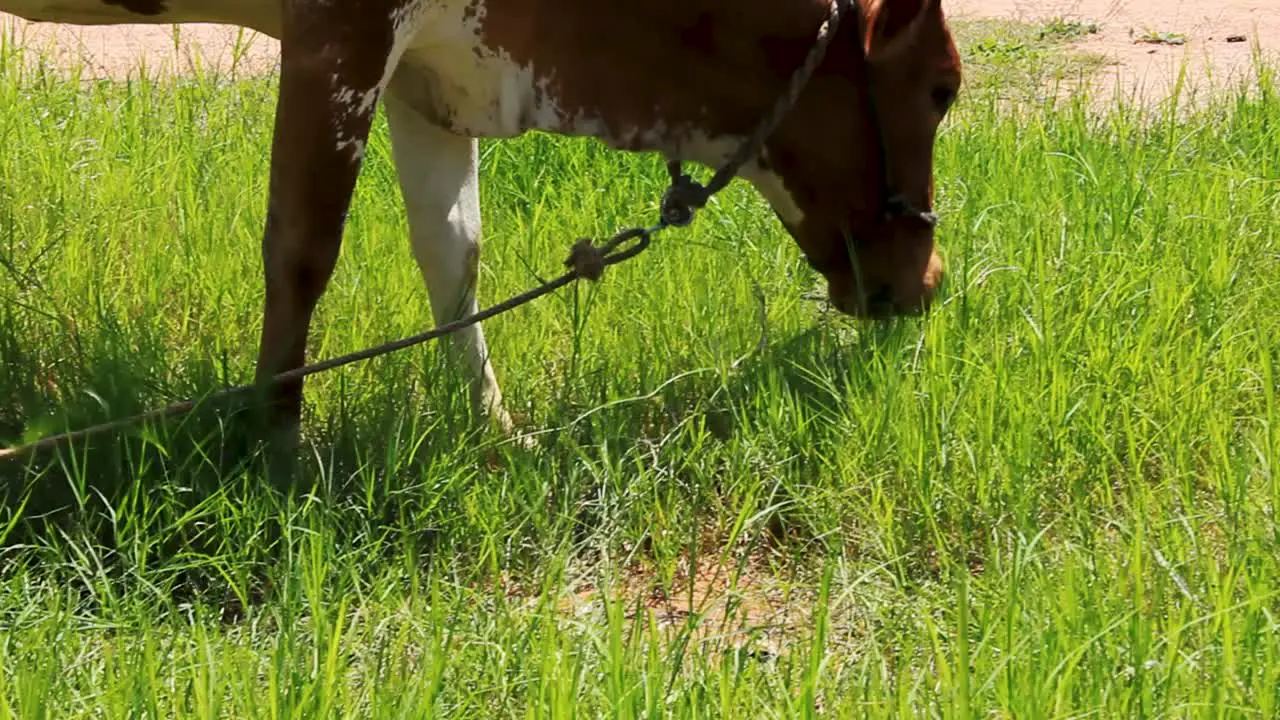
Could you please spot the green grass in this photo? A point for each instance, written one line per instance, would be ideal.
(1053, 497)
(1160, 37)
(1063, 28)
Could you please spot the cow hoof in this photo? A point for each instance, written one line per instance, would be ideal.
(268, 443)
(522, 440)
(510, 431)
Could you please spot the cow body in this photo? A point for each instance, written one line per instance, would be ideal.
(687, 78)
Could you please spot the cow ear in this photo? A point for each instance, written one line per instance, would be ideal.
(894, 26)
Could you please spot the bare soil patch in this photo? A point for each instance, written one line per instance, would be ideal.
(120, 51)
(1144, 44)
(749, 608)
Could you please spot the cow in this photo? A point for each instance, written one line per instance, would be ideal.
(685, 78)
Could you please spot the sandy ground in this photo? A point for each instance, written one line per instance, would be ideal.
(1218, 40)
(117, 51)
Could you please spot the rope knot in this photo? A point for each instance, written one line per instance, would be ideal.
(586, 260)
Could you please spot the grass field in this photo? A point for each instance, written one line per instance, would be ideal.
(1053, 497)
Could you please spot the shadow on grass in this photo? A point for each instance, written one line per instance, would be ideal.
(403, 458)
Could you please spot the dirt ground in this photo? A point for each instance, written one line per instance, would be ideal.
(1216, 37)
(117, 51)
(1144, 43)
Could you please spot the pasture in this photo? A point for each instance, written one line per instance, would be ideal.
(1054, 496)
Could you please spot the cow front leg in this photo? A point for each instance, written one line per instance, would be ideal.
(333, 62)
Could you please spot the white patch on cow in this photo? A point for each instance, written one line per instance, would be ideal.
(694, 146)
(345, 107)
(406, 21)
(355, 146)
(473, 88)
(370, 98)
(771, 187)
(344, 98)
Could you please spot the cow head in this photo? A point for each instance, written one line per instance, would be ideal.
(858, 144)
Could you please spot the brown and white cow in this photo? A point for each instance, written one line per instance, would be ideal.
(686, 78)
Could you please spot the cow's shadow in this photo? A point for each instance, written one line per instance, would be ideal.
(816, 367)
(174, 468)
(131, 465)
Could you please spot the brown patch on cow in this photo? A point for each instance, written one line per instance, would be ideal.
(685, 66)
(140, 7)
(888, 19)
(701, 36)
(784, 54)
